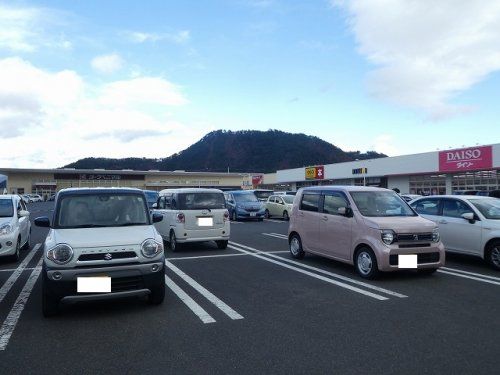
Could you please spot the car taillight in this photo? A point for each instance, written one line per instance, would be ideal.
(226, 215)
(181, 218)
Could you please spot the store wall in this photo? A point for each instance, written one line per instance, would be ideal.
(400, 182)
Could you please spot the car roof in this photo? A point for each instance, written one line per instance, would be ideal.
(99, 190)
(344, 188)
(190, 190)
(9, 196)
(240, 191)
(459, 197)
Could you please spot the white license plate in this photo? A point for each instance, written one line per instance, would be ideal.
(253, 214)
(407, 261)
(205, 221)
(100, 284)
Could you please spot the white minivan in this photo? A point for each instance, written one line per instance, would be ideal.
(192, 215)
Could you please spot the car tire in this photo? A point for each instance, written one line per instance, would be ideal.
(492, 254)
(174, 245)
(295, 247)
(157, 295)
(26, 246)
(366, 263)
(427, 271)
(285, 216)
(234, 217)
(50, 305)
(222, 244)
(15, 257)
(266, 214)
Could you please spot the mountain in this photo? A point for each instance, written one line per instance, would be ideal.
(241, 151)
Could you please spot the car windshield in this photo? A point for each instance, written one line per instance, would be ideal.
(102, 210)
(381, 204)
(200, 201)
(245, 197)
(288, 198)
(151, 196)
(6, 208)
(490, 208)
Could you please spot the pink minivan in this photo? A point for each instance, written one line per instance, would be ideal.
(372, 228)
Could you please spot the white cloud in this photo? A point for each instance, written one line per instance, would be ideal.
(58, 118)
(384, 143)
(107, 64)
(426, 52)
(179, 37)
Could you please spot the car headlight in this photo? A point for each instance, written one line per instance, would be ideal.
(150, 248)
(60, 254)
(5, 229)
(435, 235)
(388, 236)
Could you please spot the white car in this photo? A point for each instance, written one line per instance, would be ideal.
(192, 215)
(35, 198)
(468, 224)
(410, 197)
(15, 226)
(279, 205)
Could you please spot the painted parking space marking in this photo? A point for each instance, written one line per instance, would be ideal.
(275, 221)
(276, 235)
(189, 302)
(232, 314)
(10, 322)
(470, 273)
(222, 255)
(281, 263)
(481, 279)
(17, 272)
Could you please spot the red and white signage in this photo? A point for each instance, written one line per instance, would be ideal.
(257, 180)
(466, 159)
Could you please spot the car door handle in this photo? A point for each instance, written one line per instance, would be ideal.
(442, 222)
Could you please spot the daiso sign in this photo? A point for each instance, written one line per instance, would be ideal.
(465, 159)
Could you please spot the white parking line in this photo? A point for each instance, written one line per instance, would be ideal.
(275, 221)
(319, 277)
(13, 269)
(236, 222)
(470, 273)
(18, 271)
(10, 322)
(336, 275)
(193, 306)
(205, 293)
(469, 277)
(276, 235)
(222, 255)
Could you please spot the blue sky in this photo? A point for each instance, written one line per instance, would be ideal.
(149, 78)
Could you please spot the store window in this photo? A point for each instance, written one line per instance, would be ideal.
(480, 180)
(428, 184)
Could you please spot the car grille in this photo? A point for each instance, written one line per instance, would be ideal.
(250, 209)
(102, 256)
(421, 258)
(123, 284)
(411, 237)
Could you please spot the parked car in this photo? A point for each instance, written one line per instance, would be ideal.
(193, 215)
(101, 245)
(285, 193)
(262, 194)
(51, 198)
(15, 226)
(151, 197)
(35, 198)
(243, 204)
(371, 228)
(468, 224)
(26, 199)
(279, 205)
(410, 197)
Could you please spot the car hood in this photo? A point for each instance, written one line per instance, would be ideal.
(401, 224)
(5, 220)
(94, 237)
(254, 205)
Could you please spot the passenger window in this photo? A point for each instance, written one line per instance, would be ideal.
(310, 202)
(332, 202)
(427, 207)
(454, 208)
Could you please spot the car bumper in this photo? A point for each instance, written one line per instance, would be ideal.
(201, 235)
(247, 215)
(432, 256)
(126, 281)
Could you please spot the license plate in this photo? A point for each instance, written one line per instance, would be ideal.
(99, 284)
(205, 221)
(253, 214)
(407, 261)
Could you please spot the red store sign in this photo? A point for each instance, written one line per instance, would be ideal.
(466, 159)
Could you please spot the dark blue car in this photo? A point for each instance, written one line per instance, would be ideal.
(243, 204)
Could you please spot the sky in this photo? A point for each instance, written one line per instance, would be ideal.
(149, 78)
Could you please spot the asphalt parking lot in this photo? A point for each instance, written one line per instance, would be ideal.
(252, 309)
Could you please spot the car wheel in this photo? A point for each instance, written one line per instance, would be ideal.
(366, 263)
(233, 216)
(427, 271)
(174, 245)
(295, 247)
(26, 246)
(493, 254)
(285, 216)
(50, 305)
(17, 254)
(266, 214)
(157, 295)
(222, 244)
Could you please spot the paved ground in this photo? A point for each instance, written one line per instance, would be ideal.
(250, 309)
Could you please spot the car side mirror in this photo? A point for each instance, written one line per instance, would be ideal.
(42, 222)
(23, 213)
(154, 205)
(469, 216)
(157, 218)
(344, 211)
(230, 201)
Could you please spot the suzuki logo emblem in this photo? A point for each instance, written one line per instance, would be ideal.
(415, 237)
(108, 256)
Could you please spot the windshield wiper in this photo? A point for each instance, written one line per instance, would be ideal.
(128, 224)
(85, 226)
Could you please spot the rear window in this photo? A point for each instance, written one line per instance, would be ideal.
(310, 202)
(200, 201)
(262, 194)
(6, 208)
